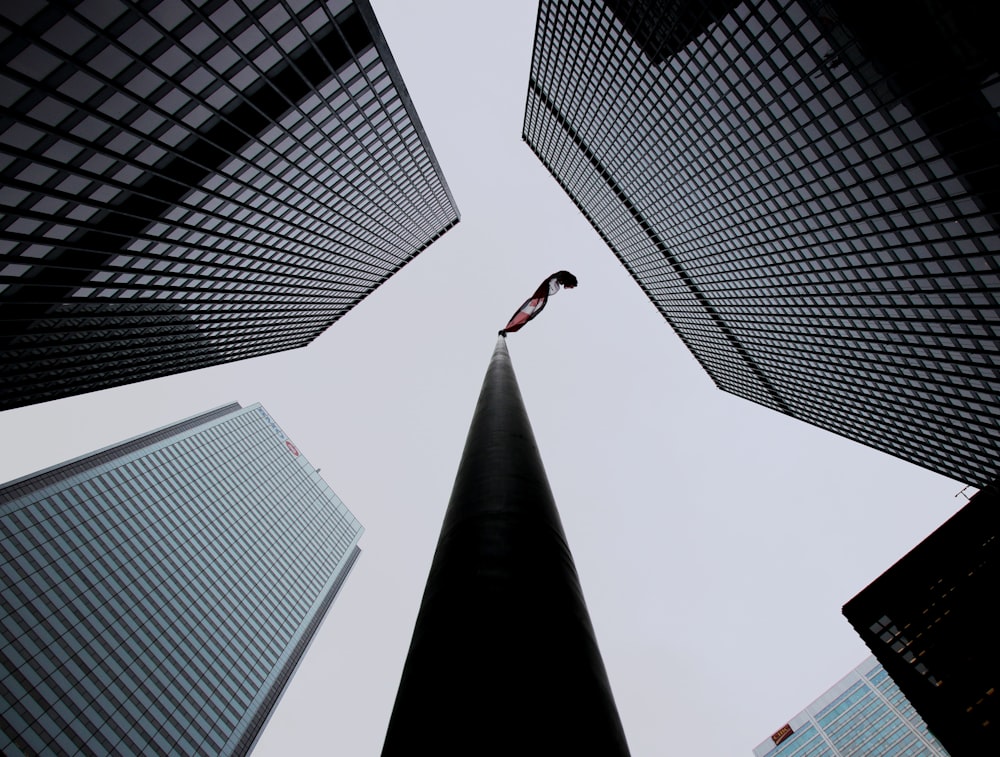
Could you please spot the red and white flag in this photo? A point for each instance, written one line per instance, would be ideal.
(534, 306)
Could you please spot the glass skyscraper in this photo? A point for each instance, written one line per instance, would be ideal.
(159, 593)
(189, 183)
(863, 714)
(807, 190)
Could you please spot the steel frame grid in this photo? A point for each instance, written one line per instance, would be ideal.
(771, 249)
(296, 195)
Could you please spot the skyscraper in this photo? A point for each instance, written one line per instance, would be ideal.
(931, 621)
(159, 593)
(864, 713)
(807, 192)
(188, 184)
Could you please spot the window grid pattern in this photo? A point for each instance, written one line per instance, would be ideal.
(865, 713)
(157, 603)
(25, 486)
(921, 619)
(219, 179)
(791, 216)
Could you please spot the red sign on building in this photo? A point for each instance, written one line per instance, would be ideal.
(781, 734)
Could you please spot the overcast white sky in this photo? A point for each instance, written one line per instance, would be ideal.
(716, 540)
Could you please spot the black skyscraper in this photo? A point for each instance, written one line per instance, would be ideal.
(932, 621)
(807, 191)
(185, 184)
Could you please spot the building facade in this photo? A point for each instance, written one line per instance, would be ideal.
(807, 192)
(864, 713)
(931, 619)
(159, 593)
(185, 184)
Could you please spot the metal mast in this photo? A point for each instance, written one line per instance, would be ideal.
(503, 658)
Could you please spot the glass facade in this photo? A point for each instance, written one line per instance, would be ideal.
(807, 192)
(189, 183)
(863, 714)
(158, 594)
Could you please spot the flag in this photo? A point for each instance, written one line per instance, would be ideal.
(534, 305)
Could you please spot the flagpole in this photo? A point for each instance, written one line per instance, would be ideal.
(503, 659)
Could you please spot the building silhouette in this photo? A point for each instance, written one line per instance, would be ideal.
(159, 593)
(930, 620)
(503, 658)
(863, 713)
(807, 191)
(189, 185)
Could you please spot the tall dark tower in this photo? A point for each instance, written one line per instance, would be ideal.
(929, 619)
(808, 192)
(188, 184)
(503, 658)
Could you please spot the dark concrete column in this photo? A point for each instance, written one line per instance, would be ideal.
(503, 658)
